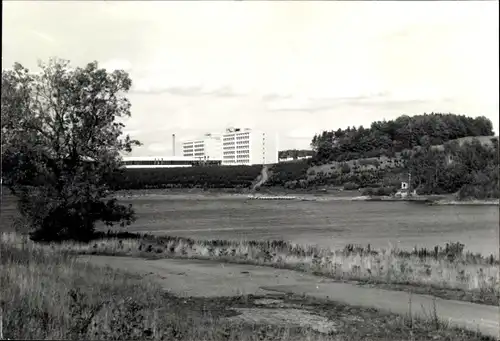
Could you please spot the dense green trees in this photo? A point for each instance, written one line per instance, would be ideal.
(61, 137)
(390, 137)
(286, 172)
(191, 177)
(471, 169)
(425, 145)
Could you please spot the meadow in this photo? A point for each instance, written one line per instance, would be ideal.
(444, 271)
(48, 294)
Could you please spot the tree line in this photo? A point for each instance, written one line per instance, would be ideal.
(189, 177)
(393, 136)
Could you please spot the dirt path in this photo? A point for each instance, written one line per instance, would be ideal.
(212, 279)
(263, 177)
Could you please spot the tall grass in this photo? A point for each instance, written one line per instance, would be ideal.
(446, 272)
(47, 294)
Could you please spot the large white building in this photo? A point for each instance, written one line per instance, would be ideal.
(208, 147)
(235, 146)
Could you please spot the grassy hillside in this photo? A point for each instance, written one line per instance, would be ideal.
(385, 173)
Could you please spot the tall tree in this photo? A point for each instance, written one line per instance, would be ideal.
(61, 138)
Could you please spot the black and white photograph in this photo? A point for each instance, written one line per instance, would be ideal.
(250, 170)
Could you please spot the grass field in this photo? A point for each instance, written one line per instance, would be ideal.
(445, 272)
(47, 294)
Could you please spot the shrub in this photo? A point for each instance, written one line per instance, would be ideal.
(348, 186)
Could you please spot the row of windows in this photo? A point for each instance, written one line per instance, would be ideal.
(237, 162)
(232, 152)
(237, 137)
(239, 146)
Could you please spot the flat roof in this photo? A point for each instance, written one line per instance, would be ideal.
(152, 158)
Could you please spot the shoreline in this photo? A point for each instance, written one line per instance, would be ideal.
(231, 193)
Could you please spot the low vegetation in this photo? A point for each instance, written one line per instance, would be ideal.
(47, 294)
(295, 153)
(288, 174)
(192, 177)
(446, 272)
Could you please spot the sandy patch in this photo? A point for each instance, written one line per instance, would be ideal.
(288, 317)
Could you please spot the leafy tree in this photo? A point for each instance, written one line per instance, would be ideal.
(61, 139)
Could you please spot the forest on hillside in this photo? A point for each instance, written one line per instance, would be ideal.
(425, 146)
(469, 169)
(393, 136)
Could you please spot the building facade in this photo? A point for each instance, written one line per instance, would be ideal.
(235, 146)
(208, 147)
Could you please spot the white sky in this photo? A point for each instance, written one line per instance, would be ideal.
(292, 67)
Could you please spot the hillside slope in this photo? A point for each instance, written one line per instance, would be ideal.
(385, 173)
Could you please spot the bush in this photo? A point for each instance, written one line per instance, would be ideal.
(345, 169)
(349, 186)
(379, 191)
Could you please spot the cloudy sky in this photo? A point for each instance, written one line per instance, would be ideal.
(292, 67)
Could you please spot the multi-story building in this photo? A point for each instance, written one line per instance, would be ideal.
(248, 147)
(206, 148)
(235, 147)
